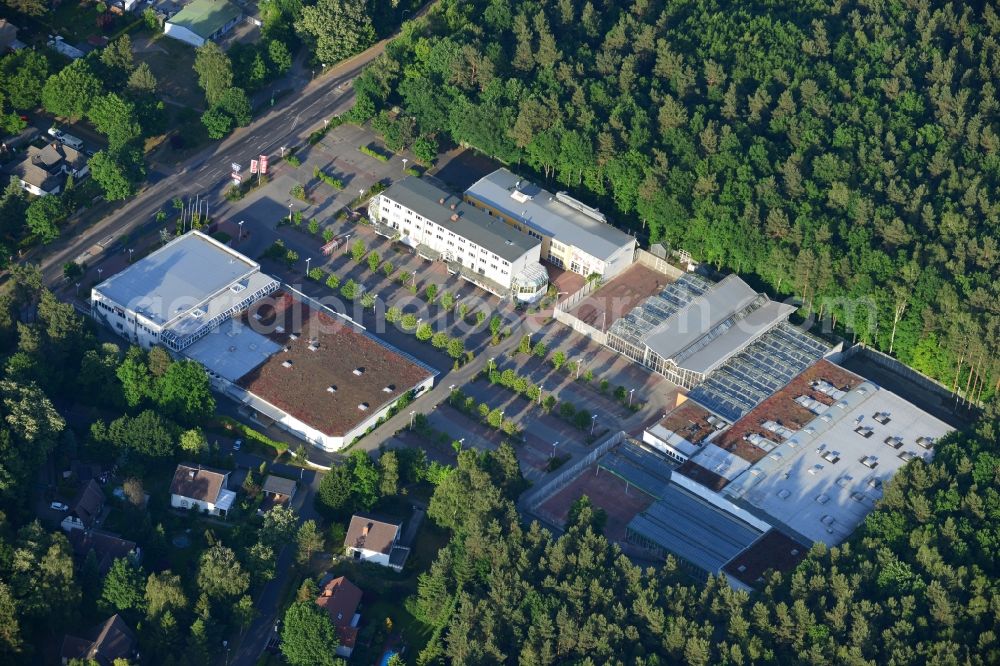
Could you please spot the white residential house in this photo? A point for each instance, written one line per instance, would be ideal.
(45, 170)
(202, 489)
(376, 541)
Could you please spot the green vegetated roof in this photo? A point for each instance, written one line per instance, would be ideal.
(204, 17)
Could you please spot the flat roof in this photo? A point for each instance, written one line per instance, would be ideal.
(232, 350)
(715, 325)
(742, 438)
(774, 551)
(686, 427)
(694, 530)
(544, 212)
(205, 17)
(314, 378)
(473, 224)
(176, 278)
(822, 481)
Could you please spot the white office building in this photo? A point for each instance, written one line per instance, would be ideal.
(179, 293)
(574, 236)
(480, 248)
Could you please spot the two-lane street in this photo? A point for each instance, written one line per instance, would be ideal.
(286, 124)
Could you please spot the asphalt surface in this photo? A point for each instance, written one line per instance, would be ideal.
(288, 123)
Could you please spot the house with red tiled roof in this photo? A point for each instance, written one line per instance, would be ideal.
(341, 598)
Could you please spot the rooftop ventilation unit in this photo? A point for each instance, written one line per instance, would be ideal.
(363, 406)
(197, 313)
(279, 329)
(332, 388)
(286, 364)
(925, 442)
(359, 371)
(313, 346)
(871, 462)
(237, 288)
(389, 389)
(882, 417)
(292, 336)
(454, 217)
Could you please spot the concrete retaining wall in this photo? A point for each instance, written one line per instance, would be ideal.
(650, 260)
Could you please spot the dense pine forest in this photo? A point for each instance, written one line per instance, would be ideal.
(918, 582)
(844, 152)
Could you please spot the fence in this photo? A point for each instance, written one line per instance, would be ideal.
(562, 315)
(532, 500)
(659, 265)
(904, 371)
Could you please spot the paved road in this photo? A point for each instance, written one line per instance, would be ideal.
(291, 119)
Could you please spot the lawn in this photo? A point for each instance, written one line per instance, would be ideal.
(172, 63)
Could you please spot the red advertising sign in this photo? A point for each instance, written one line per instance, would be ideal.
(263, 164)
(253, 166)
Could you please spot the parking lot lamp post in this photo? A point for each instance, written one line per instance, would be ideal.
(99, 271)
(309, 259)
(593, 422)
(130, 251)
(289, 212)
(631, 391)
(578, 364)
(554, 445)
(404, 163)
(241, 232)
(541, 390)
(77, 288)
(412, 414)
(490, 364)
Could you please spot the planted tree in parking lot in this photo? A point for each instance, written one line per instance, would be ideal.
(558, 359)
(424, 332)
(358, 250)
(456, 348)
(373, 261)
(349, 290)
(431, 292)
(70, 92)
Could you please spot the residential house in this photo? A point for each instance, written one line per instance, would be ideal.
(201, 488)
(107, 547)
(111, 640)
(341, 598)
(372, 540)
(8, 37)
(45, 170)
(85, 510)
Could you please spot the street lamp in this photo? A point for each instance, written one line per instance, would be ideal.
(593, 422)
(490, 364)
(99, 271)
(282, 152)
(404, 163)
(578, 364)
(77, 288)
(241, 232)
(554, 445)
(289, 212)
(307, 264)
(130, 251)
(412, 414)
(631, 391)
(541, 390)
(225, 644)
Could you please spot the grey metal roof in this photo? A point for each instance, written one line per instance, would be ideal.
(180, 275)
(694, 530)
(542, 211)
(473, 224)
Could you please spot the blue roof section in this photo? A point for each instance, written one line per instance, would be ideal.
(693, 530)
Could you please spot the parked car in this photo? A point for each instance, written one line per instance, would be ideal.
(58, 506)
(55, 132)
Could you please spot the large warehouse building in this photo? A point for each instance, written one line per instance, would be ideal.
(480, 248)
(313, 373)
(574, 236)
